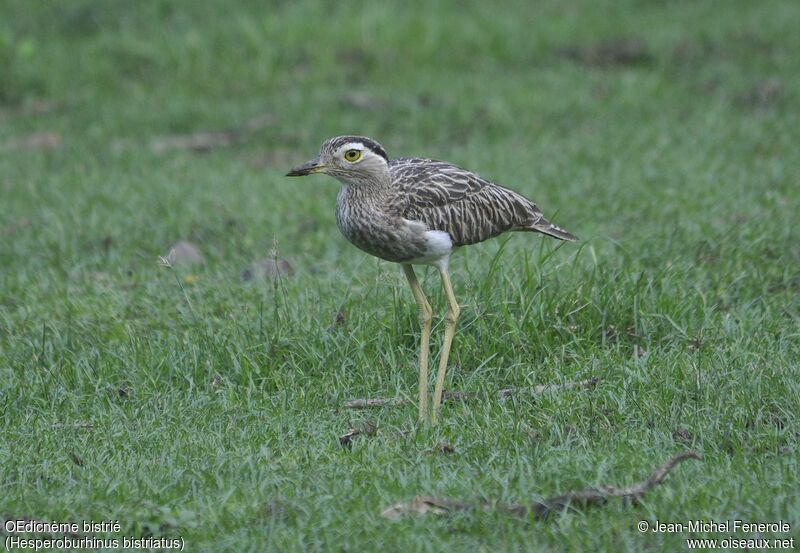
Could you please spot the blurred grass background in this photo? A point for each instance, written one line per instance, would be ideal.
(188, 402)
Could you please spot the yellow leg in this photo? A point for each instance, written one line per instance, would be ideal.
(450, 318)
(425, 312)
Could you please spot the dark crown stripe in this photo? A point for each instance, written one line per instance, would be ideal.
(367, 142)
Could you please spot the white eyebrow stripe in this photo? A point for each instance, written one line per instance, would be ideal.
(352, 146)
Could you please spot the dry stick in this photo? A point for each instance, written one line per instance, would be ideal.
(544, 388)
(366, 428)
(366, 403)
(598, 496)
(204, 141)
(584, 498)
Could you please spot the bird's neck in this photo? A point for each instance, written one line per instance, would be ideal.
(367, 190)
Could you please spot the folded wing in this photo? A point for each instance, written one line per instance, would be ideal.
(469, 208)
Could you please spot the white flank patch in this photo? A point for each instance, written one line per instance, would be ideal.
(439, 243)
(440, 246)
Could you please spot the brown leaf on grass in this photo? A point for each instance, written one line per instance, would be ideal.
(339, 318)
(37, 141)
(762, 94)
(697, 342)
(184, 252)
(267, 268)
(456, 395)
(204, 141)
(442, 447)
(575, 500)
(366, 428)
(618, 51)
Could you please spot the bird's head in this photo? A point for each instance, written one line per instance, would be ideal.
(351, 159)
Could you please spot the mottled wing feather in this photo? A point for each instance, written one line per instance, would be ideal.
(461, 203)
(431, 183)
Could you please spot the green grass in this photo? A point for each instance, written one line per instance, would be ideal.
(210, 410)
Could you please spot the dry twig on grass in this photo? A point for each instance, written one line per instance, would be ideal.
(545, 388)
(205, 141)
(366, 403)
(366, 428)
(579, 499)
(37, 141)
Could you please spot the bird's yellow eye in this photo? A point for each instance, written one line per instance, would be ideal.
(352, 155)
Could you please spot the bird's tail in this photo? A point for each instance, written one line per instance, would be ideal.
(546, 227)
(531, 219)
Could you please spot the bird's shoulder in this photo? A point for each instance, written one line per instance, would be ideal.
(423, 183)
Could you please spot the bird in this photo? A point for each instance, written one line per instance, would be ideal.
(418, 211)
